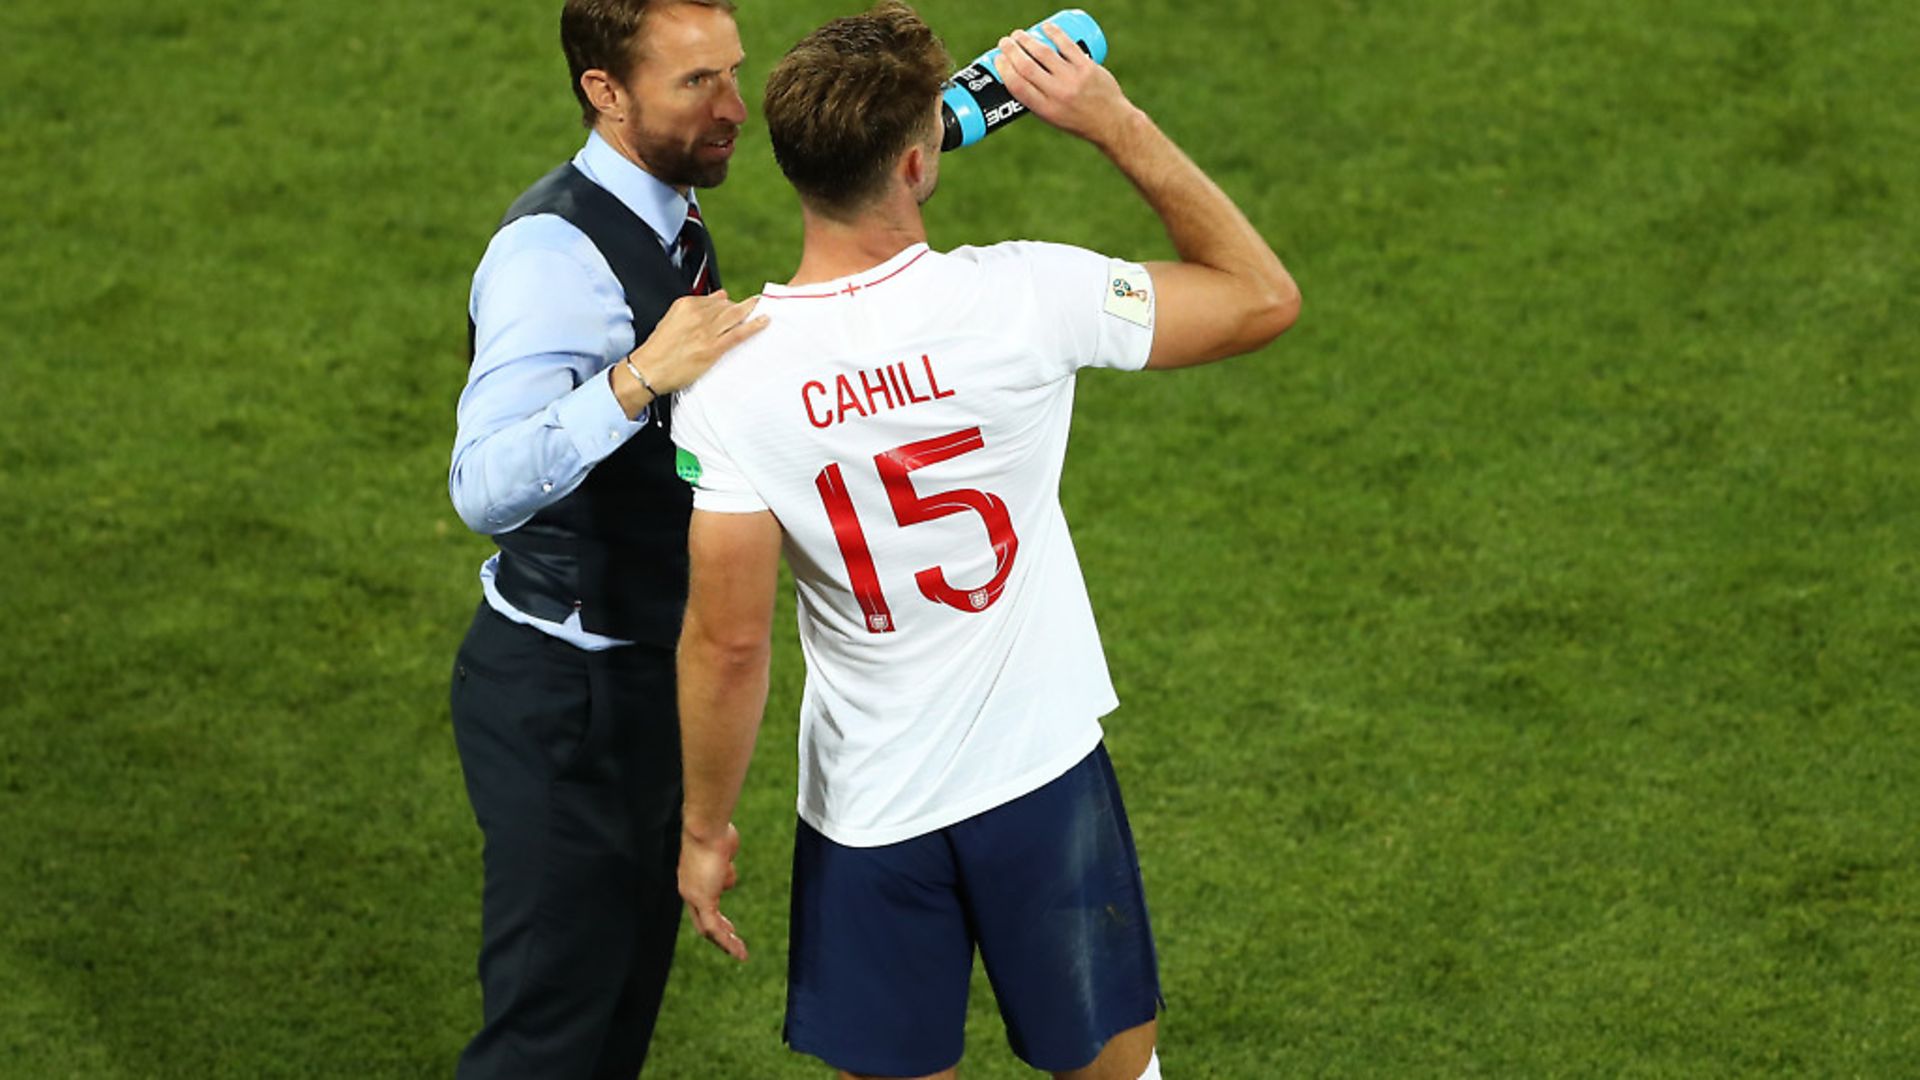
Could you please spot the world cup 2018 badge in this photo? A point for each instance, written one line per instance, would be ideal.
(1129, 293)
(979, 599)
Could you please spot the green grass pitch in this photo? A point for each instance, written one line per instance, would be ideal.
(1519, 660)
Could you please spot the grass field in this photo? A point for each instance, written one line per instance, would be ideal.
(1519, 660)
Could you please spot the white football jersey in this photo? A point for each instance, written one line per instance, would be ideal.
(907, 426)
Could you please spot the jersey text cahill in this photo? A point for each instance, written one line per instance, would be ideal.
(869, 392)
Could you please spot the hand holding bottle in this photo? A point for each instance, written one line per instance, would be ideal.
(1064, 86)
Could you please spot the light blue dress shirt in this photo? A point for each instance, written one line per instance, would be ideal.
(539, 412)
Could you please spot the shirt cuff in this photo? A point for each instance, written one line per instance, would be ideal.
(592, 418)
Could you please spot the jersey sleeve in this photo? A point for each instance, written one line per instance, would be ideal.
(718, 484)
(1085, 309)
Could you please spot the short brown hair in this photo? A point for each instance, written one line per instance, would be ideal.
(845, 101)
(605, 34)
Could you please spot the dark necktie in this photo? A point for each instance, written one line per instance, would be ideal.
(690, 258)
(690, 254)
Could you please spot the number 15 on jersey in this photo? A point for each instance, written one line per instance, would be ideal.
(912, 508)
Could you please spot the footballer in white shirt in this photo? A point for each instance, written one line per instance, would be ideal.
(898, 432)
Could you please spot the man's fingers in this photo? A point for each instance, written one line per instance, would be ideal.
(1016, 56)
(1019, 72)
(699, 300)
(1069, 53)
(1003, 63)
(723, 324)
(1017, 84)
(1036, 50)
(723, 317)
(745, 330)
(708, 920)
(718, 929)
(716, 305)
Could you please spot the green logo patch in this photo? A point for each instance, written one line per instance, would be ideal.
(686, 465)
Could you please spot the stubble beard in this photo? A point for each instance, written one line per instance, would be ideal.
(677, 164)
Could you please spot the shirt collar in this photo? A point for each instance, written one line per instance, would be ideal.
(661, 207)
(851, 284)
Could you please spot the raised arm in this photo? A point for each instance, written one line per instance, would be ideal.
(1229, 293)
(725, 646)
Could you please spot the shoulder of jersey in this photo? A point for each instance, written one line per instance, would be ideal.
(987, 255)
(754, 351)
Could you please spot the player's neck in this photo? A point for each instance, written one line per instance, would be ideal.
(833, 248)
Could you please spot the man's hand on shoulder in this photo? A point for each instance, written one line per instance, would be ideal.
(694, 333)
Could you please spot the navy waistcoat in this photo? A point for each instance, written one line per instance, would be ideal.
(615, 548)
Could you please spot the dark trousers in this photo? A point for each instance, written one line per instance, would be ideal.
(572, 763)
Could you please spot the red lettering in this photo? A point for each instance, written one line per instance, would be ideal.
(890, 386)
(927, 362)
(848, 399)
(867, 383)
(810, 387)
(893, 376)
(907, 378)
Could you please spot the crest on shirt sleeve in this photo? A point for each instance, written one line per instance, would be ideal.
(687, 465)
(1129, 293)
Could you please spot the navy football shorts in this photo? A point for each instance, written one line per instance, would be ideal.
(1048, 887)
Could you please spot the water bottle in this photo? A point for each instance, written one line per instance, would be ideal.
(976, 102)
